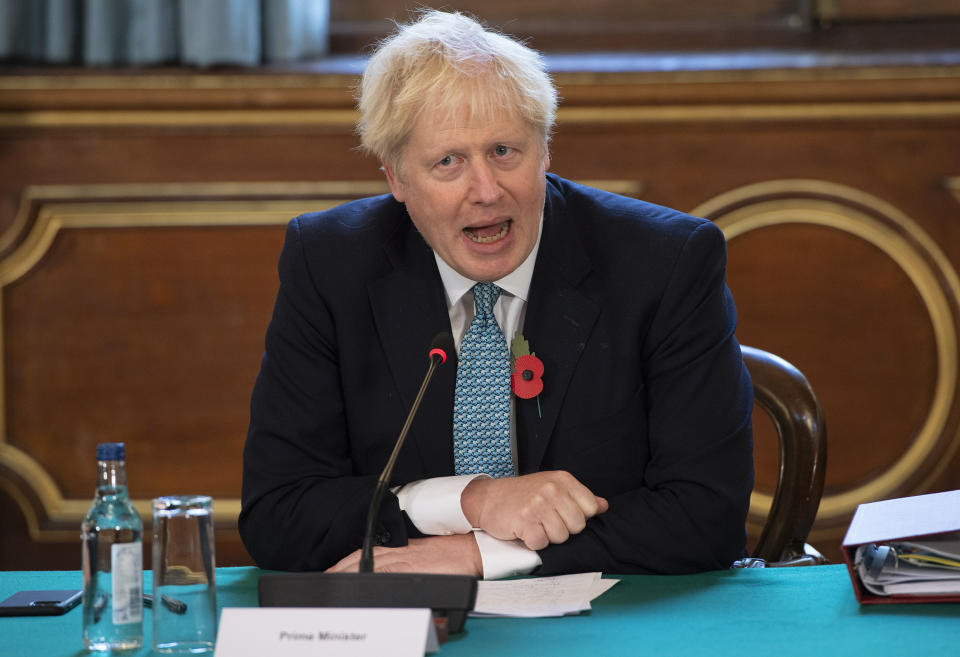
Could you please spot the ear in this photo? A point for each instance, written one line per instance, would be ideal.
(396, 186)
(546, 161)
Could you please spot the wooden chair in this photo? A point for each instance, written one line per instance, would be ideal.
(786, 396)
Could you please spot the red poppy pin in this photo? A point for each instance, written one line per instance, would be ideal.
(526, 381)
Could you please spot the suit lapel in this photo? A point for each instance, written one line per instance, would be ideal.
(558, 323)
(409, 309)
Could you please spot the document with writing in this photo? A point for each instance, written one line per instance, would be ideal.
(539, 596)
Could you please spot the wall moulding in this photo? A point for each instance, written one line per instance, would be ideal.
(953, 186)
(571, 115)
(831, 206)
(48, 211)
(599, 87)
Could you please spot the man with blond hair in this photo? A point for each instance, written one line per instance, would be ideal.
(634, 456)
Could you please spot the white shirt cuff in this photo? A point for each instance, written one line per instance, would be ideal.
(433, 505)
(505, 558)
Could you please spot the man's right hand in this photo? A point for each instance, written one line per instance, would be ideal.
(539, 508)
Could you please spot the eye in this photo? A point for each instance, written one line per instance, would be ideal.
(446, 161)
(502, 151)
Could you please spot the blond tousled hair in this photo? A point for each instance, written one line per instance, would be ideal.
(448, 61)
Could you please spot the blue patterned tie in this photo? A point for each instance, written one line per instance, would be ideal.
(481, 407)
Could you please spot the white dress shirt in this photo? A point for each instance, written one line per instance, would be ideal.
(433, 505)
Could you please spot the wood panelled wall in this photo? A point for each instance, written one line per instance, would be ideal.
(665, 25)
(141, 217)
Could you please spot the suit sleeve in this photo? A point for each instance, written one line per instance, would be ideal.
(688, 510)
(303, 505)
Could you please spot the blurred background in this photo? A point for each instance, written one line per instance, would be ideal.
(151, 152)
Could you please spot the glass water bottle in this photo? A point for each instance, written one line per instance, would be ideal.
(112, 559)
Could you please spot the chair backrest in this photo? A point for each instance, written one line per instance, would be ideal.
(784, 393)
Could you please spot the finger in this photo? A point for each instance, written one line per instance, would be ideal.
(569, 486)
(555, 527)
(602, 505)
(391, 565)
(342, 568)
(573, 519)
(588, 502)
(534, 536)
(349, 563)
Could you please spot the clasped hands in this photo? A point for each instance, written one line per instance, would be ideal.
(537, 509)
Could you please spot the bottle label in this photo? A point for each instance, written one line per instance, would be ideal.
(127, 560)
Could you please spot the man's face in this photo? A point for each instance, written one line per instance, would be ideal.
(474, 189)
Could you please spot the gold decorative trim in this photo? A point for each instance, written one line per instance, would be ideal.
(953, 186)
(218, 117)
(63, 513)
(60, 207)
(797, 207)
(90, 206)
(42, 195)
(19, 221)
(91, 80)
(632, 188)
(800, 75)
(57, 216)
(806, 112)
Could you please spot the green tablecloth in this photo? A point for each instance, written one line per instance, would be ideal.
(808, 612)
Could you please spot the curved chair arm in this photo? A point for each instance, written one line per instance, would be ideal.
(787, 397)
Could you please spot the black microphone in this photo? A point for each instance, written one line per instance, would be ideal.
(450, 596)
(441, 346)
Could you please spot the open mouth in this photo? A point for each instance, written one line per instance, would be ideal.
(488, 234)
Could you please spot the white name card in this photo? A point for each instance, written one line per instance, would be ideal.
(296, 631)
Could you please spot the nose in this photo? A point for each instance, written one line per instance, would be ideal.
(484, 185)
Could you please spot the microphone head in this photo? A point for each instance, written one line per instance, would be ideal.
(442, 346)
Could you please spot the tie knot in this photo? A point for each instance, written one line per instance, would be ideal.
(484, 296)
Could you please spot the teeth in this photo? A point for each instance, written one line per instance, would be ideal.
(491, 238)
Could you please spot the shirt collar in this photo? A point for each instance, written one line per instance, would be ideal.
(517, 282)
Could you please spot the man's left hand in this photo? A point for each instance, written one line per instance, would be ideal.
(447, 555)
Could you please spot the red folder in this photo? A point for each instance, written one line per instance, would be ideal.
(900, 519)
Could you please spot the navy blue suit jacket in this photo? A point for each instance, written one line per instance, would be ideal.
(646, 400)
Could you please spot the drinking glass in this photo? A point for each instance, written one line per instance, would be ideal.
(184, 586)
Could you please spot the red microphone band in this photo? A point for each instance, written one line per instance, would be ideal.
(436, 351)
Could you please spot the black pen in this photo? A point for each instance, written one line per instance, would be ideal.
(174, 605)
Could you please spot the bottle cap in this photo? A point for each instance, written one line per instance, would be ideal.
(111, 452)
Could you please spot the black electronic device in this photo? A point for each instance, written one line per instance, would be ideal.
(451, 596)
(40, 603)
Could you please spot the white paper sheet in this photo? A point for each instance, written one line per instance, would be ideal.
(539, 596)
